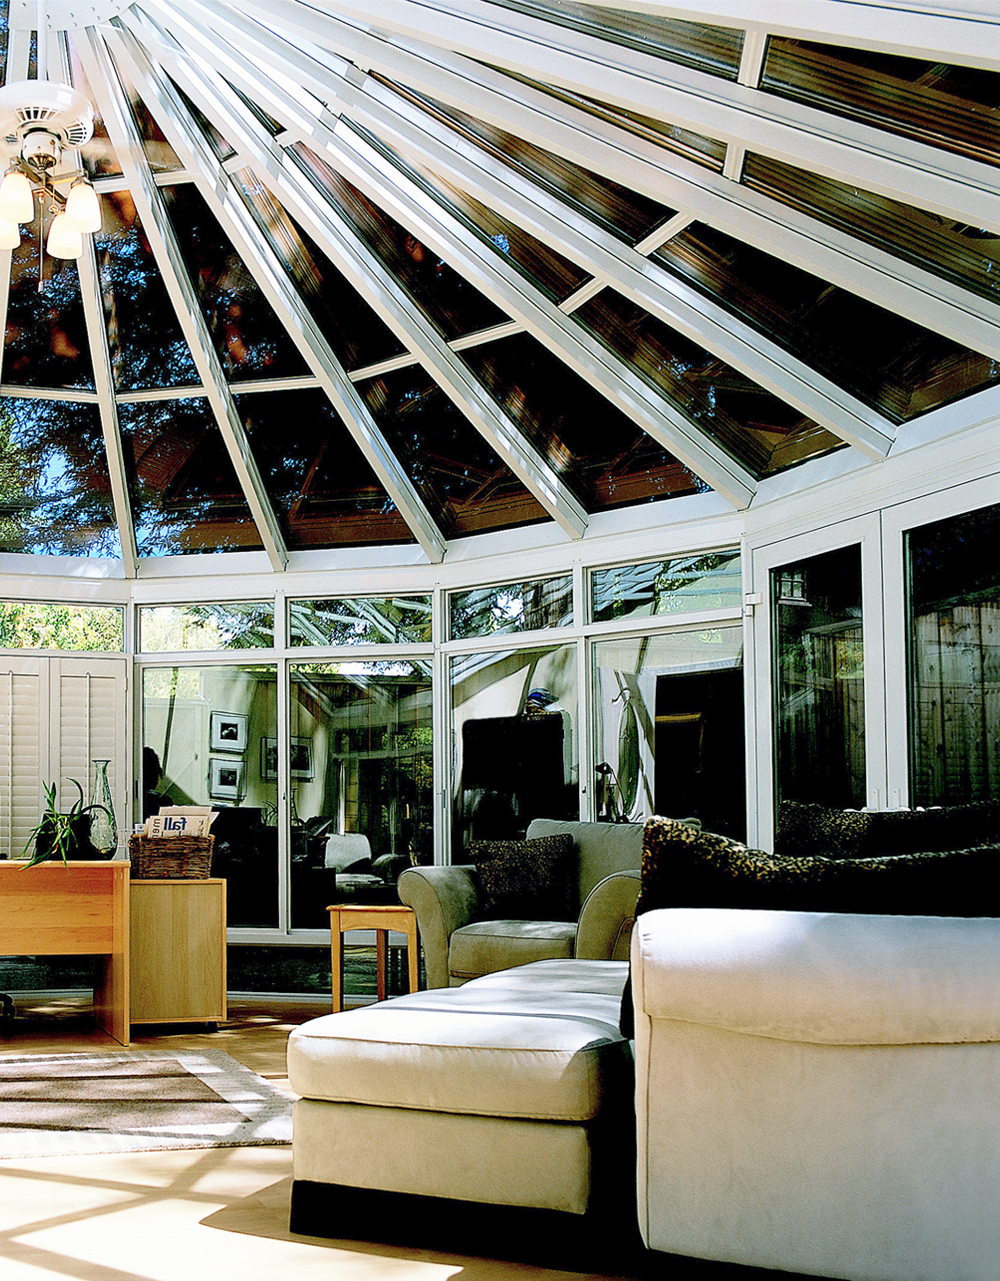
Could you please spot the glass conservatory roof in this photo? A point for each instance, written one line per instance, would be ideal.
(404, 271)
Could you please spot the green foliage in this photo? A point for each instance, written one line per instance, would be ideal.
(41, 625)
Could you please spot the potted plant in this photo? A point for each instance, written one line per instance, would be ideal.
(63, 834)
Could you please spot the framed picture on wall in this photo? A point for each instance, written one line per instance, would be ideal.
(302, 758)
(225, 779)
(269, 759)
(228, 732)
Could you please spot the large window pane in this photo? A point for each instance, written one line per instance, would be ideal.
(668, 728)
(954, 629)
(515, 751)
(819, 680)
(361, 775)
(203, 729)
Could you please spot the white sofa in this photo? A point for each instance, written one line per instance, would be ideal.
(820, 1093)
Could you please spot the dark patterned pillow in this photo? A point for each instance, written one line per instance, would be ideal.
(686, 868)
(526, 880)
(809, 829)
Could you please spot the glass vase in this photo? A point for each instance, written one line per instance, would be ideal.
(103, 827)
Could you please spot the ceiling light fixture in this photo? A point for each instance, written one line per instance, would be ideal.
(38, 120)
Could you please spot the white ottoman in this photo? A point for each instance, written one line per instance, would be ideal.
(512, 1090)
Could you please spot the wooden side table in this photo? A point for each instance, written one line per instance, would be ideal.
(391, 916)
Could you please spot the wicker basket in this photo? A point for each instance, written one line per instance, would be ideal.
(170, 858)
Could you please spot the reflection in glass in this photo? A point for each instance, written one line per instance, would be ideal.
(145, 342)
(607, 459)
(46, 342)
(668, 725)
(360, 620)
(715, 50)
(249, 339)
(954, 642)
(355, 333)
(449, 301)
(55, 491)
(819, 724)
(513, 607)
(883, 358)
(761, 432)
(952, 107)
(970, 256)
(360, 765)
(40, 625)
(676, 586)
(182, 484)
(225, 625)
(321, 486)
(515, 754)
(624, 213)
(99, 157)
(179, 705)
(459, 476)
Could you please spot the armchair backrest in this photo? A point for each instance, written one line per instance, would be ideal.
(344, 850)
(602, 848)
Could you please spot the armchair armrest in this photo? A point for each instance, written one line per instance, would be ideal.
(444, 899)
(606, 918)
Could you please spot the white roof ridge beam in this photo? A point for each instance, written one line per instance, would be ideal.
(966, 36)
(97, 335)
(121, 129)
(638, 278)
(354, 258)
(849, 262)
(219, 192)
(730, 112)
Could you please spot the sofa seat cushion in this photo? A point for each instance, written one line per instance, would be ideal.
(485, 946)
(540, 1043)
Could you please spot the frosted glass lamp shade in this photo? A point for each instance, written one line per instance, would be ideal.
(16, 201)
(64, 240)
(10, 235)
(83, 209)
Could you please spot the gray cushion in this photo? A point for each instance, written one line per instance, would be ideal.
(485, 946)
(602, 848)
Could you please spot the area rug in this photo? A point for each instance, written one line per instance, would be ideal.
(146, 1100)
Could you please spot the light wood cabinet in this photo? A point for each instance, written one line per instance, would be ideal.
(178, 951)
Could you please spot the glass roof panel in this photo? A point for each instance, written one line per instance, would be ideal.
(604, 457)
(703, 150)
(967, 255)
(624, 213)
(160, 155)
(760, 431)
(712, 49)
(99, 157)
(55, 492)
(460, 477)
(956, 108)
(182, 485)
(449, 302)
(553, 273)
(3, 40)
(222, 147)
(249, 339)
(321, 486)
(880, 357)
(145, 343)
(357, 336)
(46, 339)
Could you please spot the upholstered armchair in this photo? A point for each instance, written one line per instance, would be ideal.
(459, 944)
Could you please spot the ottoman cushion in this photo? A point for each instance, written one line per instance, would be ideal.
(540, 1042)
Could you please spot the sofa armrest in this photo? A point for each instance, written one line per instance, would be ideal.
(444, 899)
(606, 918)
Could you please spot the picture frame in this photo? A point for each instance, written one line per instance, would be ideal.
(225, 779)
(228, 732)
(300, 766)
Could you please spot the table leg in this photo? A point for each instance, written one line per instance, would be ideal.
(336, 962)
(413, 953)
(381, 957)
